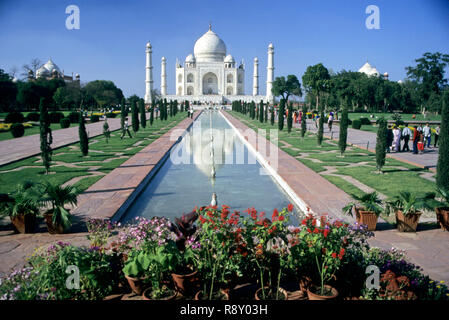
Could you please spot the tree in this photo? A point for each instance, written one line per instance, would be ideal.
(152, 115)
(429, 74)
(272, 116)
(320, 128)
(143, 116)
(266, 113)
(281, 114)
(32, 66)
(303, 122)
(8, 92)
(84, 140)
(285, 88)
(135, 116)
(104, 92)
(123, 113)
(381, 144)
(343, 135)
(261, 111)
(289, 118)
(315, 80)
(45, 135)
(442, 178)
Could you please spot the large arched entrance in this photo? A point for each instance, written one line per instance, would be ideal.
(210, 83)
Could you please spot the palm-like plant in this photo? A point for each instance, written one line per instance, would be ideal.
(369, 202)
(409, 203)
(444, 195)
(58, 197)
(24, 200)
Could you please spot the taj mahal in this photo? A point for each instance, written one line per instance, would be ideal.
(210, 74)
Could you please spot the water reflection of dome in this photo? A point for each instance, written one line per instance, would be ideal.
(200, 146)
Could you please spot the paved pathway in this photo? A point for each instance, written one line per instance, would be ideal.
(367, 140)
(24, 147)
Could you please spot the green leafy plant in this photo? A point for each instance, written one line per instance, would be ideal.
(444, 197)
(24, 200)
(368, 201)
(409, 203)
(58, 196)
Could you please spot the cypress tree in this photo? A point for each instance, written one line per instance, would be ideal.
(135, 116)
(261, 111)
(303, 122)
(266, 113)
(45, 135)
(84, 141)
(272, 116)
(281, 115)
(123, 113)
(187, 105)
(320, 128)
(289, 118)
(442, 178)
(152, 116)
(343, 135)
(171, 108)
(381, 143)
(143, 116)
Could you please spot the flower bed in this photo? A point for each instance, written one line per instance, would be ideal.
(212, 250)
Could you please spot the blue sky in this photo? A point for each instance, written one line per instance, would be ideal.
(110, 43)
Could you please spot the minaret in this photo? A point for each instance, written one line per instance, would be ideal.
(270, 72)
(163, 77)
(148, 75)
(256, 77)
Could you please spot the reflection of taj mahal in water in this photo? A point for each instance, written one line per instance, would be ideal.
(210, 74)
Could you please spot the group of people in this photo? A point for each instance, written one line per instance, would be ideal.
(420, 136)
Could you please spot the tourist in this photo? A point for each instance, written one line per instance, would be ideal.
(421, 142)
(389, 138)
(330, 120)
(437, 135)
(427, 135)
(295, 116)
(415, 139)
(191, 113)
(406, 133)
(125, 129)
(396, 146)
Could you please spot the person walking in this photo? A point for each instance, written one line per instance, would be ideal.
(421, 143)
(415, 140)
(295, 116)
(437, 135)
(406, 133)
(125, 129)
(330, 121)
(427, 135)
(396, 146)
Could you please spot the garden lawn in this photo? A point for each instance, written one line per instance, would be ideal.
(33, 130)
(68, 162)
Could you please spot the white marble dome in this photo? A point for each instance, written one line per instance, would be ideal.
(369, 70)
(229, 59)
(190, 59)
(48, 69)
(209, 48)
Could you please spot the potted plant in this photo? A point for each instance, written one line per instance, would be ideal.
(442, 211)
(22, 207)
(367, 209)
(136, 270)
(407, 208)
(58, 217)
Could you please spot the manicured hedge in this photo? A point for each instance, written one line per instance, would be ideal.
(65, 123)
(55, 117)
(365, 121)
(111, 115)
(14, 117)
(32, 116)
(94, 118)
(73, 117)
(17, 130)
(356, 124)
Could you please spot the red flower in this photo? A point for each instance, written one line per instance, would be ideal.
(281, 218)
(325, 232)
(334, 255)
(275, 214)
(308, 230)
(304, 222)
(316, 231)
(290, 207)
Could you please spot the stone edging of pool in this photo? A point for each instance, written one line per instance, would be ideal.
(111, 196)
(304, 186)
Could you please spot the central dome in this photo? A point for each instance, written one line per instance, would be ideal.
(209, 48)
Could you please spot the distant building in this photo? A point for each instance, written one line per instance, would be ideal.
(369, 70)
(50, 70)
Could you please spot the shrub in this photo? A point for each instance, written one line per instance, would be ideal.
(73, 117)
(32, 116)
(65, 123)
(14, 117)
(55, 117)
(17, 130)
(365, 121)
(356, 124)
(111, 115)
(94, 118)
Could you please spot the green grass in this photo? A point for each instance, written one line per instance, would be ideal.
(33, 130)
(388, 116)
(61, 174)
(390, 183)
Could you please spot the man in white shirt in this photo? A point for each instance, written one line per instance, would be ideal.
(406, 133)
(427, 135)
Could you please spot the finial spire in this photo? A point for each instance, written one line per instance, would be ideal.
(210, 26)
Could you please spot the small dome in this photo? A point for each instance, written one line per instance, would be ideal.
(271, 46)
(256, 60)
(209, 48)
(48, 69)
(369, 70)
(229, 59)
(77, 75)
(148, 44)
(190, 59)
(386, 74)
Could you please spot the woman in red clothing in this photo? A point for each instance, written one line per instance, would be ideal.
(415, 140)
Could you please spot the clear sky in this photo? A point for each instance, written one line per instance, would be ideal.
(110, 43)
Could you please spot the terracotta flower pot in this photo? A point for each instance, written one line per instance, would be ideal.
(366, 217)
(304, 283)
(52, 228)
(313, 293)
(258, 294)
(443, 217)
(24, 223)
(224, 295)
(137, 284)
(185, 283)
(147, 294)
(407, 223)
